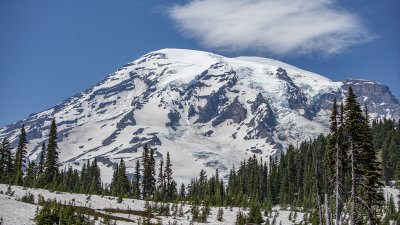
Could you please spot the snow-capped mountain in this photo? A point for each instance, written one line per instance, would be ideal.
(207, 110)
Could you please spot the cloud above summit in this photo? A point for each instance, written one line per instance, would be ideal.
(278, 27)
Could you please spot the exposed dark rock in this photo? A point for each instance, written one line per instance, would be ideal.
(110, 139)
(263, 123)
(62, 134)
(216, 164)
(282, 137)
(208, 133)
(216, 99)
(106, 161)
(136, 140)
(154, 56)
(34, 133)
(67, 122)
(191, 111)
(210, 110)
(325, 102)
(123, 86)
(127, 120)
(154, 141)
(297, 99)
(173, 117)
(104, 104)
(212, 163)
(203, 155)
(278, 146)
(259, 101)
(234, 111)
(256, 151)
(377, 96)
(82, 154)
(138, 131)
(151, 141)
(132, 149)
(234, 135)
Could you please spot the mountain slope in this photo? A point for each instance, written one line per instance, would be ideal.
(207, 110)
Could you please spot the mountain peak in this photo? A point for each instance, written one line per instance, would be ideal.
(207, 110)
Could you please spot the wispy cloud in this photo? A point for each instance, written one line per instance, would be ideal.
(279, 27)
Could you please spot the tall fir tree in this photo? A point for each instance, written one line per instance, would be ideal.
(20, 157)
(3, 157)
(6, 161)
(334, 159)
(317, 175)
(149, 180)
(152, 173)
(182, 191)
(136, 181)
(146, 172)
(161, 177)
(42, 159)
(51, 163)
(354, 126)
(369, 190)
(120, 185)
(30, 176)
(170, 183)
(95, 178)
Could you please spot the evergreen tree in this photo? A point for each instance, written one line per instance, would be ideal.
(354, 126)
(6, 161)
(182, 191)
(161, 177)
(84, 178)
(120, 182)
(146, 172)
(317, 183)
(20, 157)
(170, 183)
(136, 181)
(149, 181)
(255, 214)
(30, 176)
(370, 170)
(42, 159)
(51, 163)
(95, 177)
(152, 172)
(334, 159)
(3, 157)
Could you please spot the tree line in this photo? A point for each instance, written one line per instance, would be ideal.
(14, 169)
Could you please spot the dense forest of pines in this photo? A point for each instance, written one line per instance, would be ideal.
(336, 178)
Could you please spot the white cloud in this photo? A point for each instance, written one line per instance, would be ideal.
(280, 27)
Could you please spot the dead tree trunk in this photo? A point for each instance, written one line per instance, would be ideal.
(327, 213)
(339, 181)
(353, 184)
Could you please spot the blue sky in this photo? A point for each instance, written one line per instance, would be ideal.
(51, 50)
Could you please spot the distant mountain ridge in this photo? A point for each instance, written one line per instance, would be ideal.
(207, 110)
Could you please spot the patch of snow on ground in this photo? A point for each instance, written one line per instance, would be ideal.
(16, 212)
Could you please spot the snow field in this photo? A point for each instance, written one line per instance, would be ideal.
(15, 212)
